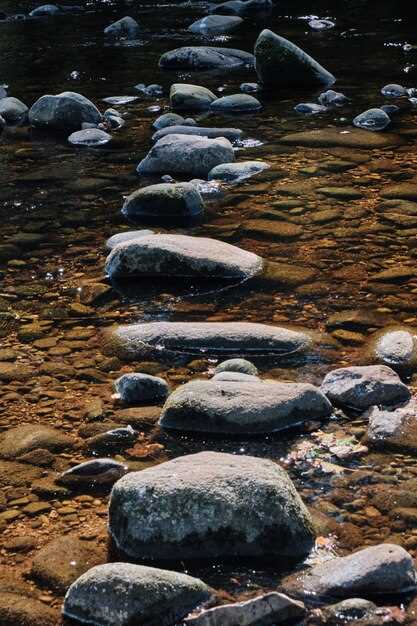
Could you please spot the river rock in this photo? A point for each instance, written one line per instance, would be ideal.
(27, 437)
(119, 594)
(66, 111)
(363, 386)
(241, 366)
(130, 235)
(98, 472)
(393, 428)
(332, 98)
(181, 256)
(206, 58)
(126, 28)
(209, 505)
(223, 406)
(235, 172)
(279, 63)
(241, 7)
(232, 134)
(321, 24)
(395, 346)
(186, 155)
(373, 119)
(268, 609)
(337, 137)
(143, 341)
(89, 137)
(23, 609)
(235, 377)
(236, 103)
(380, 569)
(215, 24)
(190, 97)
(310, 108)
(13, 111)
(58, 564)
(164, 200)
(45, 10)
(138, 388)
(394, 91)
(168, 119)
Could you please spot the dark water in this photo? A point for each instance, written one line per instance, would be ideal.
(72, 198)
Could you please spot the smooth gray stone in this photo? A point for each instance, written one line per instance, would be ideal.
(215, 24)
(279, 63)
(395, 346)
(120, 594)
(233, 172)
(13, 111)
(209, 505)
(140, 341)
(241, 366)
(138, 388)
(206, 58)
(232, 134)
(44, 10)
(193, 156)
(181, 256)
(66, 111)
(98, 472)
(236, 103)
(168, 119)
(126, 28)
(332, 98)
(245, 407)
(114, 240)
(360, 387)
(190, 97)
(249, 87)
(394, 91)
(89, 137)
(236, 377)
(373, 119)
(310, 108)
(164, 200)
(381, 569)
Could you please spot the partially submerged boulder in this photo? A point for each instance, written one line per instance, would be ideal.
(209, 505)
(137, 388)
(141, 341)
(279, 63)
(181, 256)
(215, 24)
(120, 594)
(206, 58)
(126, 28)
(183, 96)
(66, 111)
(241, 406)
(234, 172)
(13, 111)
(165, 200)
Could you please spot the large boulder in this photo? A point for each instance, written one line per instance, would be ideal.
(27, 437)
(140, 341)
(166, 200)
(240, 406)
(280, 63)
(209, 505)
(381, 569)
(66, 111)
(363, 386)
(181, 256)
(215, 24)
(232, 134)
(190, 97)
(13, 111)
(206, 58)
(186, 155)
(395, 346)
(121, 594)
(126, 28)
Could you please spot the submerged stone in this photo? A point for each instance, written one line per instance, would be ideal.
(234, 172)
(310, 108)
(321, 24)
(13, 111)
(240, 406)
(209, 505)
(236, 103)
(205, 58)
(279, 63)
(126, 28)
(240, 366)
(215, 24)
(166, 200)
(27, 437)
(168, 119)
(373, 119)
(89, 137)
(44, 10)
(335, 137)
(98, 472)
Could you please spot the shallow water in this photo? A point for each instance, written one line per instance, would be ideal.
(71, 198)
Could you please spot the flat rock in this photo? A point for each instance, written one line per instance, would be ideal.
(138, 388)
(215, 24)
(66, 111)
(236, 103)
(232, 134)
(380, 569)
(140, 341)
(181, 256)
(186, 155)
(206, 58)
(403, 191)
(234, 172)
(21, 439)
(94, 473)
(119, 594)
(336, 137)
(363, 386)
(166, 200)
(190, 97)
(271, 608)
(209, 505)
(224, 406)
(139, 417)
(58, 564)
(272, 229)
(357, 319)
(279, 63)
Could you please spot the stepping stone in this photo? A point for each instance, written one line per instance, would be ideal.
(197, 58)
(215, 24)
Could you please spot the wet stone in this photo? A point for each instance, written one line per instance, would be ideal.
(164, 200)
(373, 119)
(90, 137)
(28, 437)
(141, 388)
(190, 97)
(91, 474)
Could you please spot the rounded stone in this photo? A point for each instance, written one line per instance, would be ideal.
(394, 91)
(130, 235)
(45, 10)
(90, 137)
(373, 119)
(168, 119)
(183, 96)
(209, 505)
(241, 366)
(138, 388)
(126, 28)
(394, 346)
(13, 111)
(206, 58)
(66, 111)
(236, 103)
(232, 134)
(332, 98)
(98, 472)
(215, 24)
(234, 172)
(165, 200)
